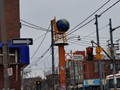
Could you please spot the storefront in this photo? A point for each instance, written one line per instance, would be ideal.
(93, 84)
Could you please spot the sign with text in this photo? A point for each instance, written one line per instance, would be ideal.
(10, 71)
(78, 57)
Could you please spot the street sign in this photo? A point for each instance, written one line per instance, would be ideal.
(22, 41)
(10, 71)
(78, 57)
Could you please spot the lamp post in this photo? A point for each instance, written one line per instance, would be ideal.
(78, 38)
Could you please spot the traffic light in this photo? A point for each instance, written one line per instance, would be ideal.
(89, 53)
(38, 85)
(98, 51)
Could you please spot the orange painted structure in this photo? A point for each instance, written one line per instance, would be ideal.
(62, 66)
(60, 40)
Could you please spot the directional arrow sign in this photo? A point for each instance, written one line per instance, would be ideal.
(22, 41)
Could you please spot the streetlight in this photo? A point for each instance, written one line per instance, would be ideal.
(74, 72)
(78, 37)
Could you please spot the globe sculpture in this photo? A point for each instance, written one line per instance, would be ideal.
(63, 25)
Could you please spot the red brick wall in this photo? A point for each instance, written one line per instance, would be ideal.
(12, 19)
(1, 77)
(89, 69)
(15, 79)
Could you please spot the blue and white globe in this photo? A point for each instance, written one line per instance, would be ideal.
(63, 25)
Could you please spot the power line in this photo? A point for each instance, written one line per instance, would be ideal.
(78, 43)
(95, 31)
(37, 60)
(88, 17)
(40, 43)
(93, 18)
(80, 27)
(30, 25)
(39, 37)
(110, 7)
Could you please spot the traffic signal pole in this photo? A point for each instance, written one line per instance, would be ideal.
(100, 63)
(5, 47)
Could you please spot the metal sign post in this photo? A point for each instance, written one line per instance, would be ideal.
(100, 63)
(5, 47)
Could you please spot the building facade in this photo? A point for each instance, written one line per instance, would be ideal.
(84, 73)
(17, 57)
(74, 66)
(91, 73)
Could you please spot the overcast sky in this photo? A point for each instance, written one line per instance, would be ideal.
(41, 12)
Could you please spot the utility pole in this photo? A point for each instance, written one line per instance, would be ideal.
(112, 53)
(100, 63)
(52, 45)
(74, 75)
(5, 47)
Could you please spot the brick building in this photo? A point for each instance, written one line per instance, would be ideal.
(74, 66)
(91, 72)
(84, 73)
(17, 57)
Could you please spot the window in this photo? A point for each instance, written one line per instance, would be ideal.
(96, 66)
(80, 77)
(111, 83)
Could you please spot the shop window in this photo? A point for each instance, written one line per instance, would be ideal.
(96, 66)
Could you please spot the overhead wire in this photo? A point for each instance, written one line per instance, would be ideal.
(93, 18)
(37, 60)
(95, 31)
(83, 43)
(86, 41)
(46, 58)
(39, 37)
(71, 31)
(110, 7)
(88, 17)
(30, 25)
(81, 22)
(38, 28)
(40, 44)
(78, 43)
